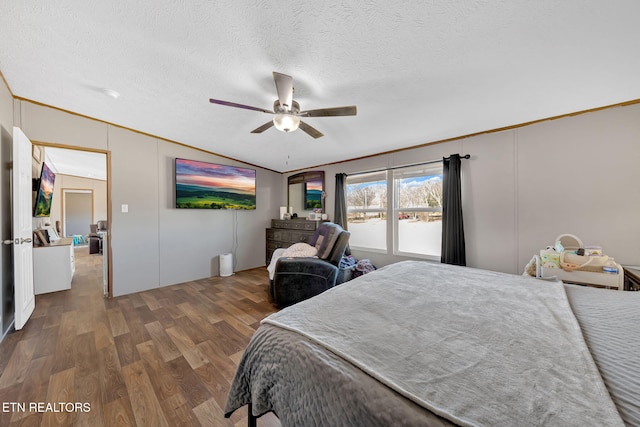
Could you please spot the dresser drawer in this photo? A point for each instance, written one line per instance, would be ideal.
(294, 224)
(278, 234)
(275, 244)
(310, 225)
(300, 236)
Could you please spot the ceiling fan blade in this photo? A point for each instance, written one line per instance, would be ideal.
(315, 133)
(233, 104)
(263, 127)
(284, 86)
(330, 112)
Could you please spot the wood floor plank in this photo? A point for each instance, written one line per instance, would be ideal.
(145, 315)
(150, 300)
(18, 362)
(60, 389)
(210, 414)
(164, 384)
(194, 313)
(86, 355)
(65, 345)
(126, 349)
(193, 389)
(228, 338)
(87, 381)
(164, 316)
(198, 331)
(7, 348)
(179, 411)
(215, 381)
(87, 389)
(54, 314)
(84, 321)
(163, 357)
(47, 342)
(237, 324)
(230, 308)
(34, 328)
(103, 335)
(144, 403)
(9, 394)
(222, 362)
(117, 322)
(35, 385)
(118, 413)
(136, 326)
(187, 347)
(163, 342)
(112, 382)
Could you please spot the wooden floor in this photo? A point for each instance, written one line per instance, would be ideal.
(164, 357)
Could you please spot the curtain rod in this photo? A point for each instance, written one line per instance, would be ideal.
(466, 156)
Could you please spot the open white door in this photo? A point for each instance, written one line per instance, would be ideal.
(25, 299)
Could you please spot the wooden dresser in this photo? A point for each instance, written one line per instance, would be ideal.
(285, 232)
(631, 278)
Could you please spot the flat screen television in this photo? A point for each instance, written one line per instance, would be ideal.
(202, 185)
(44, 195)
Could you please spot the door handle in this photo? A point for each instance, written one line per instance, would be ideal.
(27, 240)
(10, 242)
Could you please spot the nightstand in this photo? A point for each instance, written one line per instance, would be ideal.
(631, 278)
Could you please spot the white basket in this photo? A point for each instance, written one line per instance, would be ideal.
(609, 280)
(569, 241)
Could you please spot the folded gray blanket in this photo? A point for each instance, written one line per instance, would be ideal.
(473, 346)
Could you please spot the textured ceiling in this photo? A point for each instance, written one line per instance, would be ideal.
(418, 71)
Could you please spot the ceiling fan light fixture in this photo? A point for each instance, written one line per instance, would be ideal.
(286, 122)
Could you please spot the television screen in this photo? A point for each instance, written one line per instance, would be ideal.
(313, 194)
(45, 192)
(202, 185)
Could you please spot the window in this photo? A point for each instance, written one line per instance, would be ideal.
(418, 210)
(367, 210)
(411, 197)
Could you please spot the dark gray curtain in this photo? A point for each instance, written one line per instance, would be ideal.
(453, 248)
(340, 213)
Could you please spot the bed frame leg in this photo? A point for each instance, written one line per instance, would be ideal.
(252, 421)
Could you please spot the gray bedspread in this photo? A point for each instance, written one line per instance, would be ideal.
(610, 322)
(305, 383)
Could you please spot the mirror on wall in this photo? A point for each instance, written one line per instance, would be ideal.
(306, 192)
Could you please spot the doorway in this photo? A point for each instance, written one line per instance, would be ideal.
(77, 212)
(82, 198)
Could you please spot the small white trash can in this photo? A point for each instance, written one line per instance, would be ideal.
(226, 264)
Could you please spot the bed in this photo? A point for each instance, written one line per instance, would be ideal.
(426, 344)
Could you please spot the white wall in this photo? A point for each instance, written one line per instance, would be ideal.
(154, 244)
(525, 186)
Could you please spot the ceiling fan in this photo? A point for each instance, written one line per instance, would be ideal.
(287, 112)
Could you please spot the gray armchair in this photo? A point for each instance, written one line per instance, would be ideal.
(297, 279)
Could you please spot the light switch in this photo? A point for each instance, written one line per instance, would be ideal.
(124, 208)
